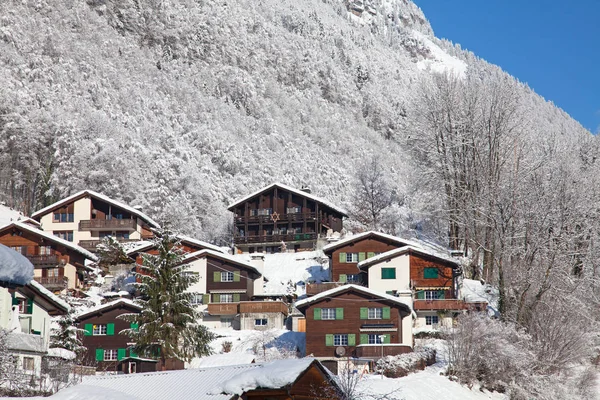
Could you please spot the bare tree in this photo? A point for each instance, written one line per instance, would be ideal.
(373, 193)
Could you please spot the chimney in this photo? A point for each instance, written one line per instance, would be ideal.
(306, 189)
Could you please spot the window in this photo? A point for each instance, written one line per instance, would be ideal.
(328, 313)
(226, 276)
(353, 278)
(64, 214)
(375, 313)
(351, 257)
(111, 355)
(430, 273)
(388, 273)
(23, 309)
(340, 340)
(195, 299)
(265, 211)
(431, 295)
(283, 230)
(293, 210)
(431, 320)
(99, 330)
(260, 322)
(254, 212)
(297, 229)
(66, 235)
(45, 250)
(226, 322)
(53, 272)
(375, 339)
(28, 363)
(226, 298)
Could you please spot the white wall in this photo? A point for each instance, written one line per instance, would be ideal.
(198, 266)
(258, 261)
(274, 321)
(82, 211)
(402, 281)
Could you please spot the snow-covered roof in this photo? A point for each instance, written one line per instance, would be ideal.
(15, 269)
(52, 238)
(60, 303)
(25, 342)
(364, 235)
(106, 306)
(61, 353)
(222, 360)
(402, 250)
(98, 196)
(216, 383)
(145, 246)
(340, 289)
(222, 256)
(293, 190)
(8, 215)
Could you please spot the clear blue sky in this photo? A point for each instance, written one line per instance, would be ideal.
(553, 45)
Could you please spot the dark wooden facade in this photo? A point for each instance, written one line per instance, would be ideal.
(111, 340)
(278, 215)
(352, 321)
(446, 275)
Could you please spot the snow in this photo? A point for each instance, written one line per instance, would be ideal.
(293, 190)
(352, 238)
(399, 251)
(286, 273)
(8, 215)
(474, 291)
(84, 312)
(83, 391)
(14, 267)
(221, 360)
(50, 295)
(441, 62)
(334, 291)
(62, 353)
(275, 374)
(218, 254)
(276, 341)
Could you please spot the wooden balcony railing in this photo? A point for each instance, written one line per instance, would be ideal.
(53, 282)
(47, 260)
(107, 224)
(377, 350)
(268, 219)
(90, 245)
(263, 307)
(316, 288)
(223, 308)
(442, 304)
(295, 237)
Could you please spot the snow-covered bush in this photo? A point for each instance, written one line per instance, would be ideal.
(403, 364)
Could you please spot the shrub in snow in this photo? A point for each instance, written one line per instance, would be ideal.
(403, 364)
(226, 347)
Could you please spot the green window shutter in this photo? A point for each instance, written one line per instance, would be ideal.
(29, 306)
(134, 326)
(364, 313)
(15, 301)
(216, 277)
(99, 354)
(110, 329)
(386, 339)
(236, 276)
(364, 338)
(441, 294)
(339, 313)
(388, 273)
(361, 256)
(352, 340)
(343, 278)
(120, 354)
(132, 352)
(89, 330)
(430, 273)
(342, 257)
(390, 292)
(317, 314)
(386, 313)
(216, 298)
(236, 297)
(370, 254)
(421, 295)
(205, 298)
(328, 339)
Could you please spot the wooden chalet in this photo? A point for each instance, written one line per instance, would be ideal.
(354, 321)
(58, 264)
(280, 218)
(86, 217)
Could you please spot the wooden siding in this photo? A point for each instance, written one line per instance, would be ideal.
(375, 351)
(248, 307)
(351, 323)
(316, 288)
(366, 245)
(445, 278)
(246, 281)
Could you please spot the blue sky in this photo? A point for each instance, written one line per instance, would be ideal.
(552, 45)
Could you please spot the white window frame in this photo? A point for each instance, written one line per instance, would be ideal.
(226, 276)
(196, 299)
(351, 257)
(431, 320)
(353, 278)
(111, 355)
(261, 322)
(431, 295)
(340, 339)
(226, 298)
(327, 313)
(375, 338)
(99, 330)
(375, 313)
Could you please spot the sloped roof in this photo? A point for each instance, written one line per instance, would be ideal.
(377, 235)
(145, 246)
(215, 383)
(15, 269)
(344, 288)
(8, 215)
(402, 250)
(50, 237)
(222, 256)
(293, 190)
(99, 196)
(50, 302)
(108, 306)
(25, 342)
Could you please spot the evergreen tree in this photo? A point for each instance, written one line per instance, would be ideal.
(167, 327)
(67, 335)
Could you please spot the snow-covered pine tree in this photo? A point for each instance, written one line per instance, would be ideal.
(66, 335)
(167, 327)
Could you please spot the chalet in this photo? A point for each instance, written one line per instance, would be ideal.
(87, 216)
(353, 321)
(345, 254)
(281, 218)
(428, 279)
(186, 245)
(58, 263)
(291, 379)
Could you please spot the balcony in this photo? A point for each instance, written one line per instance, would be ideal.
(53, 283)
(316, 288)
(268, 219)
(250, 307)
(90, 245)
(223, 308)
(379, 350)
(294, 237)
(442, 304)
(48, 261)
(108, 225)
